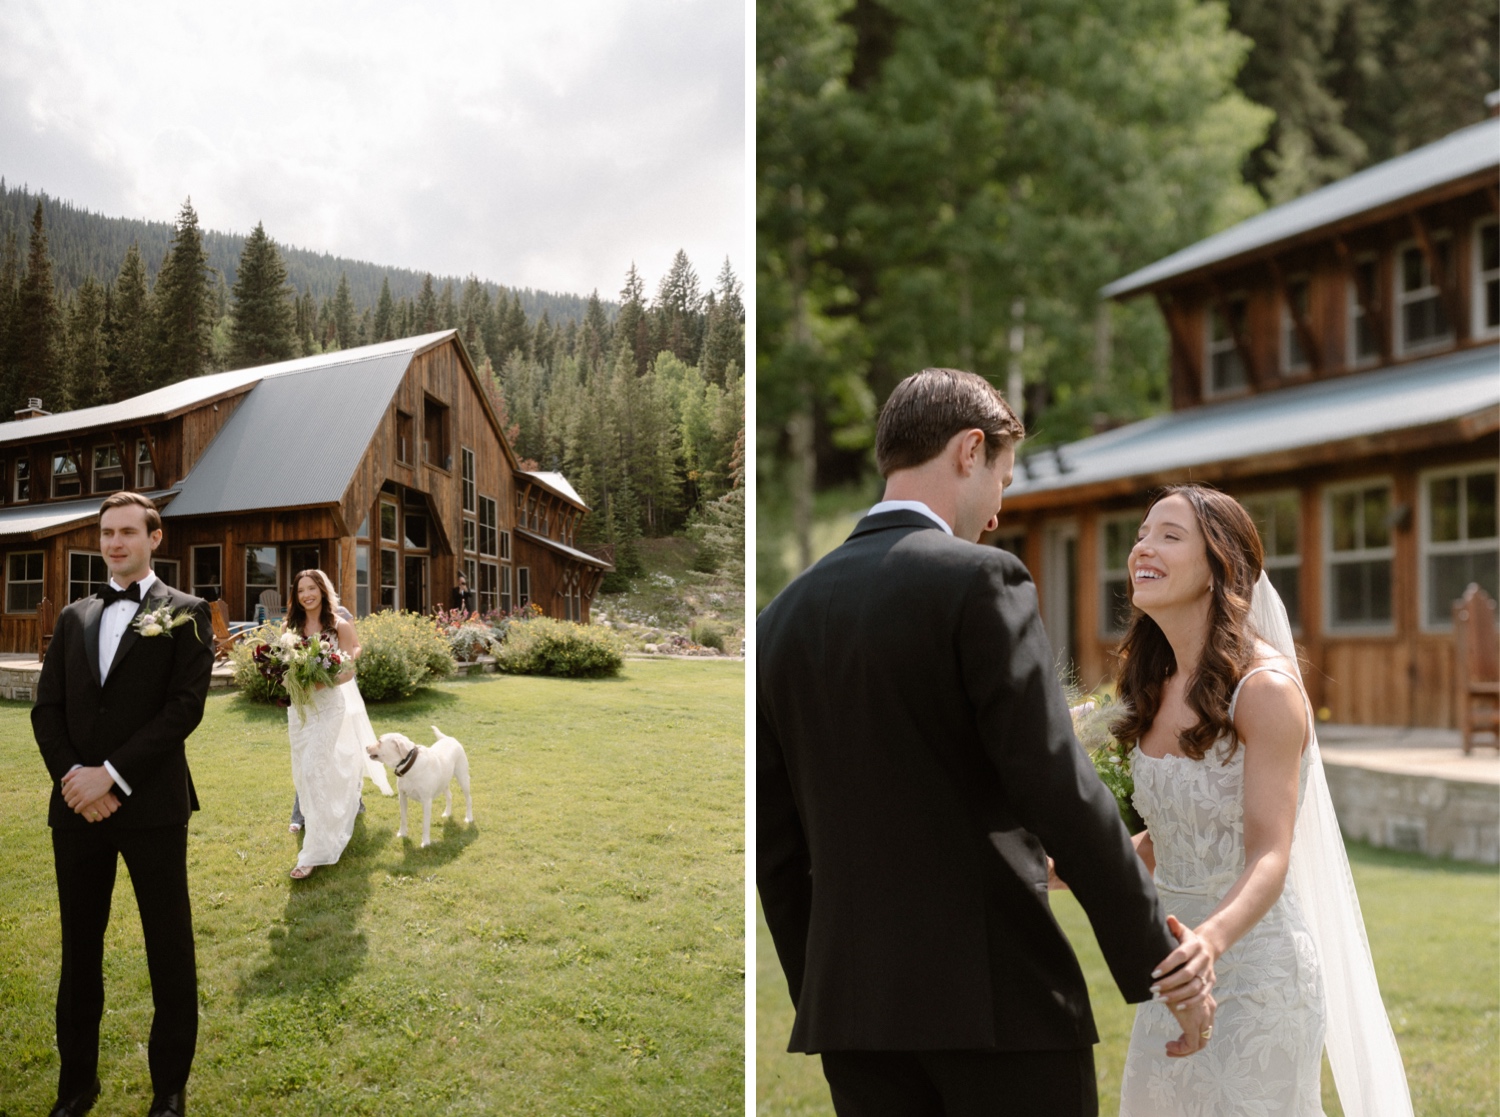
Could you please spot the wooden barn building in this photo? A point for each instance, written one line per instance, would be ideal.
(1334, 365)
(386, 466)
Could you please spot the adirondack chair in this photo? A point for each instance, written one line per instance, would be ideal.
(224, 640)
(270, 601)
(46, 616)
(1477, 667)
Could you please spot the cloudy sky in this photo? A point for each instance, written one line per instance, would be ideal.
(542, 145)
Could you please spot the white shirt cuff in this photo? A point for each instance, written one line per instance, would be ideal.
(119, 782)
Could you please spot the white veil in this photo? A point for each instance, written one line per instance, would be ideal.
(1361, 1046)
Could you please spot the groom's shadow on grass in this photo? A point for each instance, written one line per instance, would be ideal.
(320, 942)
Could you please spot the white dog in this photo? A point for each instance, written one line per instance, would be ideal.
(423, 772)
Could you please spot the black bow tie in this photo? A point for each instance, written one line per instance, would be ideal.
(109, 595)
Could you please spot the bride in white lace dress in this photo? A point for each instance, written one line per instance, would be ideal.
(1239, 846)
(329, 762)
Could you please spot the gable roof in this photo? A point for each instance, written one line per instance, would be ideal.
(174, 399)
(1468, 151)
(1326, 413)
(555, 482)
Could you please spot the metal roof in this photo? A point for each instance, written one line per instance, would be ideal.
(1439, 389)
(34, 520)
(1465, 152)
(175, 398)
(563, 549)
(264, 456)
(556, 482)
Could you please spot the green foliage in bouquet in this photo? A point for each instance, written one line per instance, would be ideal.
(248, 678)
(1112, 760)
(544, 646)
(399, 653)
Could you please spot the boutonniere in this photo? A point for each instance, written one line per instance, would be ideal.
(161, 620)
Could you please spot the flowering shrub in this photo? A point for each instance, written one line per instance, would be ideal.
(543, 646)
(399, 653)
(469, 635)
(251, 681)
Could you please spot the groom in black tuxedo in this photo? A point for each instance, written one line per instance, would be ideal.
(915, 766)
(115, 704)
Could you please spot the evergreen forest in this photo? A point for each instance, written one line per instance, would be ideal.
(951, 183)
(639, 402)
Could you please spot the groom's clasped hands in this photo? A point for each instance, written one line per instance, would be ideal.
(1185, 981)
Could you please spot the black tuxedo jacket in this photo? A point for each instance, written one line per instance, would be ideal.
(138, 719)
(914, 758)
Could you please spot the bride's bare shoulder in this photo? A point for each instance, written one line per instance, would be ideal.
(1270, 703)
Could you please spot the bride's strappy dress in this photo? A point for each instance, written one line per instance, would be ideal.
(328, 768)
(1265, 1059)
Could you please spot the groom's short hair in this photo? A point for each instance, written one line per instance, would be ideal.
(929, 407)
(123, 499)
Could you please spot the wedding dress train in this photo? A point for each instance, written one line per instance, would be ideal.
(329, 764)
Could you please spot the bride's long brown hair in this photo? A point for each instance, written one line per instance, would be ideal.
(296, 615)
(1235, 557)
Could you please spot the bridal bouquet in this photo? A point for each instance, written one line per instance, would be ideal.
(300, 663)
(1111, 757)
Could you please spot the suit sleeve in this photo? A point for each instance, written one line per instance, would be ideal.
(1027, 734)
(49, 715)
(143, 754)
(782, 863)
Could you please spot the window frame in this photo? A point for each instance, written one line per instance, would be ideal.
(1426, 549)
(1366, 554)
(274, 584)
(1478, 302)
(506, 598)
(523, 595)
(378, 578)
(1290, 336)
(1227, 344)
(487, 588)
(405, 433)
(95, 471)
(436, 413)
(158, 565)
(22, 476)
(1356, 313)
(40, 582)
(193, 569)
(144, 465)
(89, 583)
(1282, 562)
(504, 544)
(1431, 290)
(489, 533)
(75, 456)
(1105, 574)
(469, 482)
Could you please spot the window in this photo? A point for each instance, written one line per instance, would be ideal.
(489, 587)
(468, 482)
(416, 530)
(145, 468)
(109, 474)
(67, 474)
(166, 571)
(1363, 342)
(1294, 357)
(505, 546)
(1486, 310)
(1117, 535)
(1359, 556)
(260, 575)
(363, 531)
(471, 535)
(23, 582)
(523, 587)
(470, 570)
(388, 532)
(489, 514)
(435, 434)
(207, 565)
(23, 479)
(1459, 540)
(1226, 368)
(404, 447)
(87, 574)
(362, 580)
(1276, 517)
(387, 578)
(1422, 319)
(505, 589)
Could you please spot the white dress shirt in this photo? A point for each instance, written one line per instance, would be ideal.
(113, 622)
(910, 506)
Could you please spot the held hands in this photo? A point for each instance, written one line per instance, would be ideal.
(90, 792)
(1185, 982)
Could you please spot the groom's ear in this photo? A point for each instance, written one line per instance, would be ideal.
(966, 447)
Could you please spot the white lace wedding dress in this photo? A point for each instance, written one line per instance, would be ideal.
(1265, 1059)
(328, 768)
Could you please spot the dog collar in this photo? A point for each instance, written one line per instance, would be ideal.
(407, 762)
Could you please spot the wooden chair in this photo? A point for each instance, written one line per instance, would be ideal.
(270, 601)
(1476, 667)
(46, 616)
(223, 638)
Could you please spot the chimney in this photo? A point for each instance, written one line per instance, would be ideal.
(32, 410)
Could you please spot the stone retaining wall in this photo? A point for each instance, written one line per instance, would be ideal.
(1422, 814)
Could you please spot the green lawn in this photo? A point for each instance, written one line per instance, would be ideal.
(1434, 928)
(579, 949)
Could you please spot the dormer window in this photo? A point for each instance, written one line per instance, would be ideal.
(1421, 316)
(1226, 367)
(1486, 310)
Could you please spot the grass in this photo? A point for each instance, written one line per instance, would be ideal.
(1434, 929)
(671, 598)
(579, 949)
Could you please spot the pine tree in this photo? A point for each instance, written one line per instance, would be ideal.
(10, 290)
(184, 305)
(447, 308)
(473, 318)
(593, 336)
(130, 340)
(678, 311)
(87, 351)
(427, 307)
(515, 336)
(632, 330)
(306, 324)
(37, 330)
(263, 323)
(725, 340)
(343, 313)
(385, 313)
